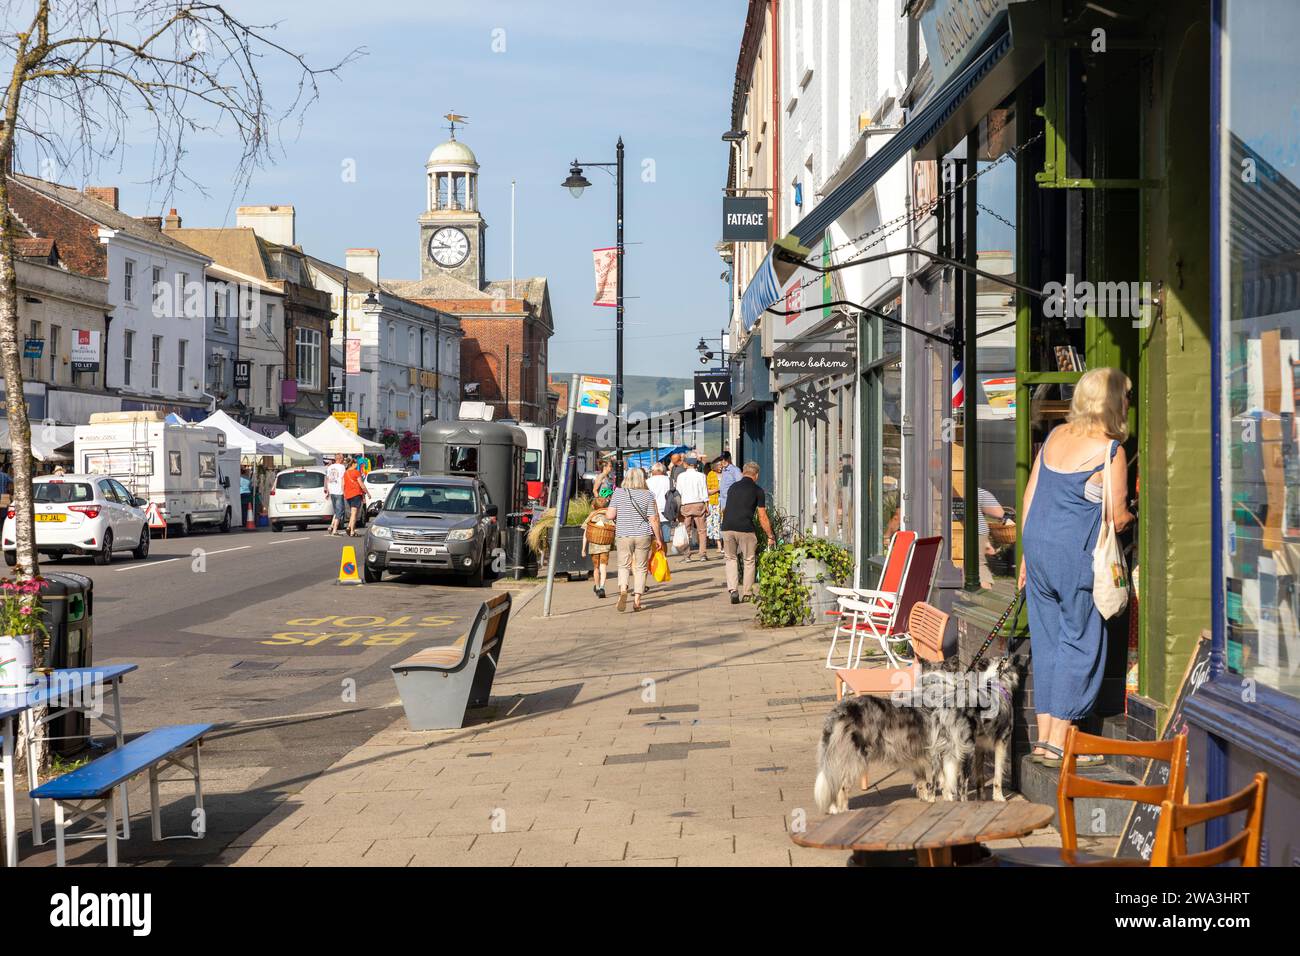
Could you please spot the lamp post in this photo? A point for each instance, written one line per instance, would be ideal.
(576, 183)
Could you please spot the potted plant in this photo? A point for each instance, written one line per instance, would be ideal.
(21, 627)
(569, 558)
(793, 577)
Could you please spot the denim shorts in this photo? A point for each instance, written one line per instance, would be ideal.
(339, 511)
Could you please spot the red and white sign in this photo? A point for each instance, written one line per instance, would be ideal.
(354, 357)
(606, 262)
(85, 351)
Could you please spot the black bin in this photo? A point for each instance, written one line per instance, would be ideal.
(69, 604)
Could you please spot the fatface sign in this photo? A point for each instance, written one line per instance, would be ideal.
(712, 391)
(744, 219)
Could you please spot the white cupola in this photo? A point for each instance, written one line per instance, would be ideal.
(452, 177)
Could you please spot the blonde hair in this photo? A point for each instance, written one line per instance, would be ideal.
(635, 478)
(1098, 403)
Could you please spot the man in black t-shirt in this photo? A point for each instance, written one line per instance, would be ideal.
(745, 502)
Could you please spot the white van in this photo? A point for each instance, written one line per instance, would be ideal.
(182, 469)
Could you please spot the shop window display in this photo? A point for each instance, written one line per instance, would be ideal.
(1261, 364)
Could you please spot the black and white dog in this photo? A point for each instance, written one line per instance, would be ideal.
(948, 722)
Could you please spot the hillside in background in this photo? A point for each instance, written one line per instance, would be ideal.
(648, 394)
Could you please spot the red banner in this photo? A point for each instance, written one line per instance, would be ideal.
(606, 261)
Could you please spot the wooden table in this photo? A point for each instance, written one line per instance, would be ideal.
(932, 830)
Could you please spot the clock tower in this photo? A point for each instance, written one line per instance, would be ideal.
(451, 228)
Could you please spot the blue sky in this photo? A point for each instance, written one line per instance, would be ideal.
(573, 76)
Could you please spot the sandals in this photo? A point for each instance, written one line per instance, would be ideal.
(1058, 757)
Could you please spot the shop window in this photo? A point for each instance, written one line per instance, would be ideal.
(1261, 342)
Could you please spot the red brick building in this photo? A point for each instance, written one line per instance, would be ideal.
(507, 324)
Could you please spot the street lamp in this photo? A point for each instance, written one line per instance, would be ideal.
(576, 183)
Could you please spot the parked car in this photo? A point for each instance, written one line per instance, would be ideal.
(378, 484)
(91, 515)
(299, 497)
(433, 523)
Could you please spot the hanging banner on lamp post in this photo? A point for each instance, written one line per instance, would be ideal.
(354, 357)
(606, 263)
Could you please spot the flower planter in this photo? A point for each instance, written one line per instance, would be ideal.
(820, 600)
(15, 663)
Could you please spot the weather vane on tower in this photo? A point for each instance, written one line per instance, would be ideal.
(453, 119)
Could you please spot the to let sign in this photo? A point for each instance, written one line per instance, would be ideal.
(744, 219)
(712, 391)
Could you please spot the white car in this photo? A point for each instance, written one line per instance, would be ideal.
(299, 497)
(83, 515)
(380, 482)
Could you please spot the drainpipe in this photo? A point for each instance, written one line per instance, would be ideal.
(774, 219)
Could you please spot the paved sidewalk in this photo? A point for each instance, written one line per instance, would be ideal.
(682, 735)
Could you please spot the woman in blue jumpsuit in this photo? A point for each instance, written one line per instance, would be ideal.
(1067, 634)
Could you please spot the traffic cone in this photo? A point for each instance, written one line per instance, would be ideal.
(249, 522)
(349, 573)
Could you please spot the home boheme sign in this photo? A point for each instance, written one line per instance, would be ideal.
(803, 363)
(712, 391)
(744, 219)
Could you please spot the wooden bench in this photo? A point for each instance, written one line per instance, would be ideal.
(439, 684)
(925, 627)
(92, 788)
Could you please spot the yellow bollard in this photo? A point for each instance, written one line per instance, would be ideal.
(349, 572)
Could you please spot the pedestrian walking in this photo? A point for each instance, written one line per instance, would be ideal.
(675, 467)
(729, 475)
(354, 493)
(1067, 633)
(659, 485)
(745, 503)
(694, 489)
(603, 485)
(637, 531)
(713, 523)
(334, 486)
(598, 535)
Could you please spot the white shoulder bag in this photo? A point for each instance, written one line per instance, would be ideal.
(1109, 572)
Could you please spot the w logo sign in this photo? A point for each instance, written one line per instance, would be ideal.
(712, 391)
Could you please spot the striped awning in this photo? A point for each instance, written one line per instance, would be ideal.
(764, 290)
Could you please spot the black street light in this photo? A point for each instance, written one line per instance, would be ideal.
(576, 183)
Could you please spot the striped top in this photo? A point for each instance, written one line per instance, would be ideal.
(630, 504)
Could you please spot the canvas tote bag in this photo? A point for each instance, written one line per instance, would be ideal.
(1109, 571)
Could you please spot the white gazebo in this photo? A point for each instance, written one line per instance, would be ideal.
(330, 437)
(249, 442)
(295, 451)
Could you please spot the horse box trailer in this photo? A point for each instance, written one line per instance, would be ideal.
(186, 470)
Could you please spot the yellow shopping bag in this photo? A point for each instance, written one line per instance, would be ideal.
(659, 567)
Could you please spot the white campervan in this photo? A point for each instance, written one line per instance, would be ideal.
(183, 469)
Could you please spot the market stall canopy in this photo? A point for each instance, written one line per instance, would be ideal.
(237, 436)
(174, 419)
(330, 437)
(295, 450)
(49, 442)
(646, 459)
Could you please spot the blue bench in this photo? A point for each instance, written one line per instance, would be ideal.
(93, 788)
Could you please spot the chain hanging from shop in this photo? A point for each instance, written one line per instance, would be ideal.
(899, 222)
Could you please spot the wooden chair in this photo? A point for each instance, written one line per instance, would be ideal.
(925, 627)
(1171, 833)
(891, 582)
(1073, 786)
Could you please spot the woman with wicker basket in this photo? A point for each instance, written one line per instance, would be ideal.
(598, 541)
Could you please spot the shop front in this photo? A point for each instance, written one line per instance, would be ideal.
(1246, 719)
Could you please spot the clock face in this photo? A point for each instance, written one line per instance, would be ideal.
(449, 247)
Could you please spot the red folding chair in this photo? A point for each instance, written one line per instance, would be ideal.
(891, 582)
(883, 615)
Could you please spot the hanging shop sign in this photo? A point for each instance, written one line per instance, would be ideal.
(243, 373)
(820, 363)
(354, 357)
(955, 30)
(712, 392)
(85, 350)
(744, 219)
(33, 348)
(349, 420)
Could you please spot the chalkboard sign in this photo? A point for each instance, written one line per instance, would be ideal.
(1139, 833)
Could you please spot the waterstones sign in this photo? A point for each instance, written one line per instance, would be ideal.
(712, 391)
(819, 363)
(744, 219)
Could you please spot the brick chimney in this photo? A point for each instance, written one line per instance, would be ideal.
(173, 221)
(364, 261)
(105, 194)
(272, 223)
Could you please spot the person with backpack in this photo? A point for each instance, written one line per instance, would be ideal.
(661, 486)
(694, 489)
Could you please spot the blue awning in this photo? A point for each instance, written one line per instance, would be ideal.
(764, 290)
